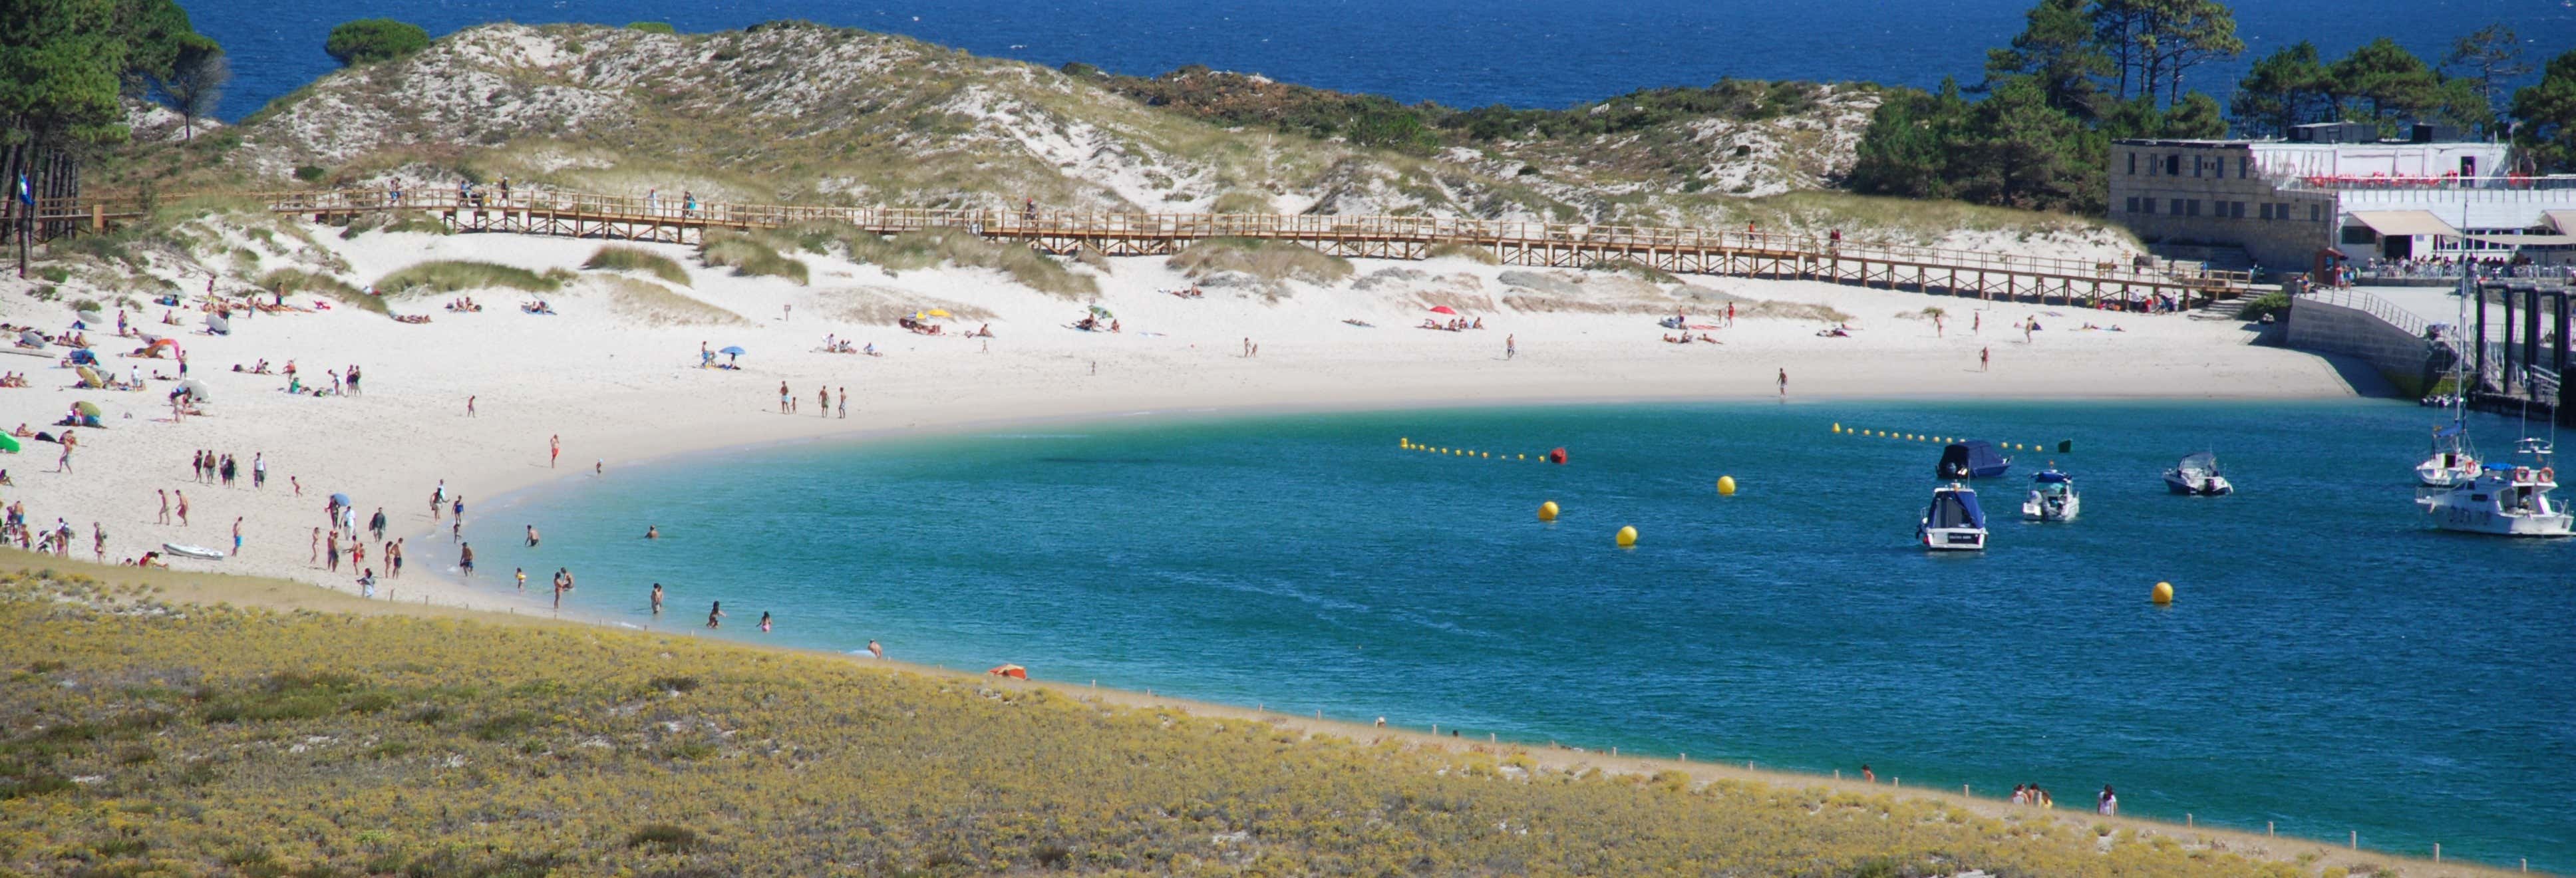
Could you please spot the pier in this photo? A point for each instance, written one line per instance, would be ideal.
(1748, 253)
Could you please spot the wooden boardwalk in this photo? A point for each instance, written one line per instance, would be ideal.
(1537, 244)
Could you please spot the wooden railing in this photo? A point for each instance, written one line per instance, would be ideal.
(1107, 225)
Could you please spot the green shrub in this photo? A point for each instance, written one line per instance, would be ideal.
(652, 27)
(309, 173)
(54, 273)
(457, 275)
(664, 837)
(2274, 304)
(368, 40)
(293, 280)
(618, 257)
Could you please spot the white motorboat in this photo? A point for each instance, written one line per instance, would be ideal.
(188, 551)
(2452, 461)
(2505, 499)
(2198, 476)
(2052, 497)
(1953, 522)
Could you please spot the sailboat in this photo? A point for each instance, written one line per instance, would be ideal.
(2452, 460)
(2505, 499)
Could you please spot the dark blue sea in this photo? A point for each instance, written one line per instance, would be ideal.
(1528, 53)
(2331, 665)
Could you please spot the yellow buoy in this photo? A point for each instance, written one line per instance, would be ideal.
(1627, 537)
(1838, 426)
(1547, 511)
(2164, 593)
(1484, 454)
(1726, 486)
(1402, 442)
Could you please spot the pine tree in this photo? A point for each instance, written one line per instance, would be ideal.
(2284, 89)
(2547, 110)
(2057, 48)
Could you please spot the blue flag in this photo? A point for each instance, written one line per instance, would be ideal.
(25, 194)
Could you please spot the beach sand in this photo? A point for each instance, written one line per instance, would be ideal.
(618, 381)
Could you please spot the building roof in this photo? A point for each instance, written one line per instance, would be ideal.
(2562, 220)
(2405, 222)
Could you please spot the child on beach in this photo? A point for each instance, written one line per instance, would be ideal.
(715, 614)
(764, 621)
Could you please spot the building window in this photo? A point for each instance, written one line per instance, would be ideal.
(2173, 166)
(2265, 210)
(2147, 205)
(2313, 211)
(2195, 166)
(2133, 166)
(2173, 206)
(2133, 204)
(2191, 208)
(2244, 166)
(2236, 210)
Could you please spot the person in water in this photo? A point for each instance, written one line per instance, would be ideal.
(653, 532)
(764, 621)
(657, 599)
(715, 615)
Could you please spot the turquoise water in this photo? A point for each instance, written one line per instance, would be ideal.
(2331, 664)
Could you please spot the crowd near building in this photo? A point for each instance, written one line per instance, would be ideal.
(2337, 194)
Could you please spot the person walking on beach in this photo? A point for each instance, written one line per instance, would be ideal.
(783, 396)
(237, 520)
(317, 547)
(1866, 775)
(2109, 802)
(1511, 346)
(465, 559)
(715, 615)
(259, 470)
(98, 542)
(165, 506)
(825, 402)
(559, 589)
(331, 551)
(469, 406)
(845, 403)
(657, 599)
(554, 449)
(1784, 383)
(376, 523)
(183, 507)
(1730, 315)
(1937, 331)
(1985, 357)
(456, 511)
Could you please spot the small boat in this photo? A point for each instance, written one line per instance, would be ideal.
(2452, 461)
(185, 551)
(1972, 459)
(1953, 523)
(2052, 497)
(2506, 500)
(2198, 476)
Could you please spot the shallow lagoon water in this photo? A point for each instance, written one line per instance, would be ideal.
(2331, 664)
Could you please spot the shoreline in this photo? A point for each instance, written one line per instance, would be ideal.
(280, 595)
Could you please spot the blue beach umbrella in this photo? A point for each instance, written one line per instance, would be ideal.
(342, 499)
(732, 351)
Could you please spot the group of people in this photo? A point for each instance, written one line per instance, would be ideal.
(211, 468)
(788, 404)
(1455, 324)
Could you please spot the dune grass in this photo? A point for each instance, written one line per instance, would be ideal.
(749, 256)
(620, 257)
(292, 281)
(217, 739)
(458, 275)
(1463, 251)
(879, 306)
(931, 248)
(656, 305)
(1268, 260)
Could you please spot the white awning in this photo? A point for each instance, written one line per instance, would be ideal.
(2527, 240)
(2565, 220)
(2404, 222)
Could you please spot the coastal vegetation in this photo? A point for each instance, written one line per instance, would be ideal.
(290, 281)
(68, 69)
(1264, 259)
(460, 275)
(369, 40)
(143, 735)
(749, 255)
(2086, 72)
(621, 257)
(656, 305)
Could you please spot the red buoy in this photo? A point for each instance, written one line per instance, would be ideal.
(1557, 455)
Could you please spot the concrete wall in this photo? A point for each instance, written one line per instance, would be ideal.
(2190, 192)
(2402, 357)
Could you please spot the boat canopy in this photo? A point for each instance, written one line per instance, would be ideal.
(1955, 508)
(2199, 461)
(2448, 431)
(1974, 458)
(2051, 475)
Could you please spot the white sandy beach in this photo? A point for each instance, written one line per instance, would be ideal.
(620, 388)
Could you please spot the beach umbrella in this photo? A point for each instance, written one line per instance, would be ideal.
(32, 337)
(936, 312)
(89, 377)
(1097, 311)
(219, 323)
(92, 317)
(1009, 671)
(8, 443)
(340, 499)
(84, 356)
(196, 389)
(732, 351)
(85, 407)
(1444, 309)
